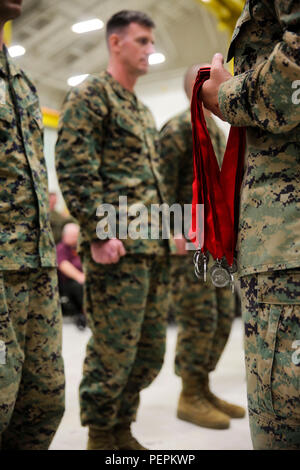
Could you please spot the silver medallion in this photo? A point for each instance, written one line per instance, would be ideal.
(200, 262)
(232, 283)
(220, 277)
(231, 270)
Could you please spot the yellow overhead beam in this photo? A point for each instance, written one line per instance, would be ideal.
(7, 33)
(226, 11)
(50, 117)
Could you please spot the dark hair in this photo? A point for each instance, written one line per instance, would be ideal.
(124, 18)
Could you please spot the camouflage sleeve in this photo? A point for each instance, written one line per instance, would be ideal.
(78, 155)
(186, 172)
(170, 157)
(262, 97)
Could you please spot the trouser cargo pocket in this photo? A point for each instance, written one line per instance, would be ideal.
(277, 342)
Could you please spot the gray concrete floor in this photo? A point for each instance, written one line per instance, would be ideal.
(157, 427)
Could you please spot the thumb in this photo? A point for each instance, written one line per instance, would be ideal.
(217, 61)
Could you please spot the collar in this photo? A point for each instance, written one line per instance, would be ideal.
(120, 90)
(4, 59)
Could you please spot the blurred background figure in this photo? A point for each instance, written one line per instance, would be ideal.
(204, 313)
(32, 381)
(99, 160)
(80, 51)
(57, 219)
(70, 275)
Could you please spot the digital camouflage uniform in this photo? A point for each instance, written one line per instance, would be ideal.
(204, 313)
(266, 45)
(108, 147)
(31, 365)
(57, 222)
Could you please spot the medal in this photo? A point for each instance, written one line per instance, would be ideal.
(218, 190)
(220, 277)
(200, 262)
(231, 270)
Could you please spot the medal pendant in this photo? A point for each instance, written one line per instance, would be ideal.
(200, 262)
(220, 276)
(205, 261)
(197, 254)
(232, 283)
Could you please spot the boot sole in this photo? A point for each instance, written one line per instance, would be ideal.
(231, 415)
(185, 417)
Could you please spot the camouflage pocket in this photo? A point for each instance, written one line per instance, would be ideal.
(278, 323)
(128, 126)
(6, 123)
(11, 359)
(35, 115)
(6, 113)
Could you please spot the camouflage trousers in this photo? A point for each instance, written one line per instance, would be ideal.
(204, 316)
(271, 312)
(31, 364)
(126, 306)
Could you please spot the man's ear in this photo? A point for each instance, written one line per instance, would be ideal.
(114, 42)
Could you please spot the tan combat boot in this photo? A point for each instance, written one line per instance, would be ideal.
(101, 439)
(195, 408)
(125, 439)
(234, 411)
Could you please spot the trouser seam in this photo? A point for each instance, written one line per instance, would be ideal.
(279, 421)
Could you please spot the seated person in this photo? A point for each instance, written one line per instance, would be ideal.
(57, 219)
(70, 275)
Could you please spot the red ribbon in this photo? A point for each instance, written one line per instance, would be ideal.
(217, 189)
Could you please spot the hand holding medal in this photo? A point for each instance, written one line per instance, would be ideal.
(218, 190)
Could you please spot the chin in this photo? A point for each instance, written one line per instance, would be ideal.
(143, 71)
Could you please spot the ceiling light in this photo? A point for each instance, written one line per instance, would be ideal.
(77, 79)
(16, 51)
(156, 58)
(87, 26)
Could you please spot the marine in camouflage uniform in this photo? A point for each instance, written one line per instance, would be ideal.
(108, 147)
(266, 46)
(204, 314)
(57, 219)
(31, 366)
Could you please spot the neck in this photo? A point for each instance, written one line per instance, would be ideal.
(123, 76)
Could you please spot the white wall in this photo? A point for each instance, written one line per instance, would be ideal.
(163, 94)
